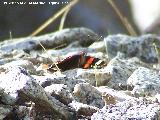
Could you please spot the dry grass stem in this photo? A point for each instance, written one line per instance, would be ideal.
(63, 19)
(123, 19)
(10, 35)
(54, 17)
(49, 56)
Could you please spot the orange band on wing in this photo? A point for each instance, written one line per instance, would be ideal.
(88, 63)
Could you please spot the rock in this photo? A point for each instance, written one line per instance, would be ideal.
(120, 69)
(141, 47)
(4, 111)
(14, 54)
(98, 46)
(157, 97)
(24, 64)
(129, 109)
(108, 99)
(21, 87)
(19, 113)
(6, 57)
(51, 40)
(60, 92)
(96, 77)
(117, 96)
(48, 80)
(145, 81)
(68, 51)
(6, 98)
(83, 109)
(87, 94)
(13, 79)
(25, 112)
(38, 58)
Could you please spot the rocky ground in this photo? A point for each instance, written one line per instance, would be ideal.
(126, 87)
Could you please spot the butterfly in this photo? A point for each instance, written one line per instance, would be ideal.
(80, 60)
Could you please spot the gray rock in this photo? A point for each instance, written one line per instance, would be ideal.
(25, 112)
(120, 70)
(118, 96)
(96, 77)
(145, 81)
(6, 57)
(65, 36)
(24, 64)
(19, 113)
(98, 46)
(61, 92)
(48, 80)
(14, 54)
(13, 79)
(142, 46)
(87, 94)
(83, 109)
(157, 97)
(6, 98)
(4, 111)
(132, 109)
(68, 51)
(22, 87)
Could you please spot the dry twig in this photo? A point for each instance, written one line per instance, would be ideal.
(54, 17)
(123, 19)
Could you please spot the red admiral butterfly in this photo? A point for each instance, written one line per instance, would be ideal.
(80, 60)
